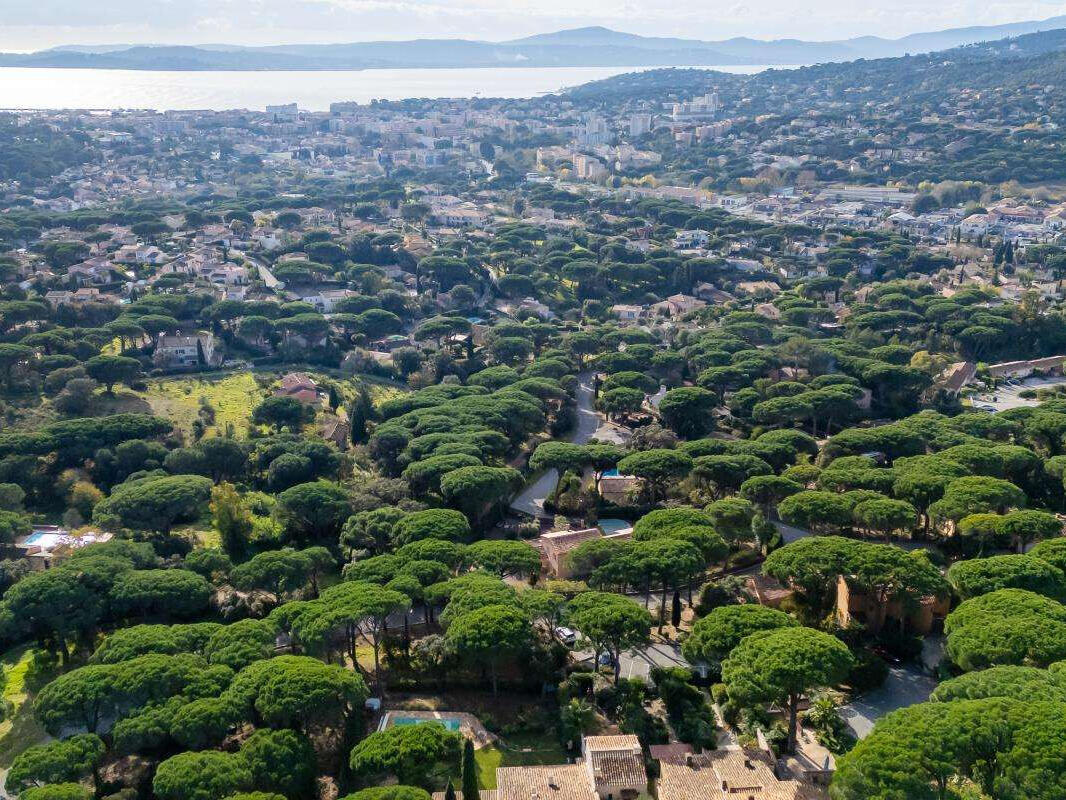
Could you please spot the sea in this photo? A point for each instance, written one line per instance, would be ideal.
(113, 89)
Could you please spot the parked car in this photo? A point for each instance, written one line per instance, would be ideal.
(887, 655)
(567, 636)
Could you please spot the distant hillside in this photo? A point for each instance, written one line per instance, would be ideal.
(1004, 65)
(579, 47)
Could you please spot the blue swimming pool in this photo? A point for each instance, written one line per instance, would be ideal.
(611, 473)
(35, 537)
(450, 724)
(609, 526)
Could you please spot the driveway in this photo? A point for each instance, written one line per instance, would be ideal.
(531, 499)
(637, 663)
(790, 533)
(905, 686)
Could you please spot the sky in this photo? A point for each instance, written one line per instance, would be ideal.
(27, 25)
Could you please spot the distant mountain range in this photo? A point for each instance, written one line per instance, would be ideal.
(579, 47)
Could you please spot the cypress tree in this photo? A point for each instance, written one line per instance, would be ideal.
(359, 414)
(470, 782)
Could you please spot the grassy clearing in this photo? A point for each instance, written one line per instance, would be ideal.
(203, 535)
(517, 751)
(21, 729)
(379, 392)
(16, 662)
(232, 396)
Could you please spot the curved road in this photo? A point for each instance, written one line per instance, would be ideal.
(531, 499)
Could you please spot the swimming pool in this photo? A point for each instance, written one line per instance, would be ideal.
(609, 526)
(450, 724)
(611, 473)
(44, 539)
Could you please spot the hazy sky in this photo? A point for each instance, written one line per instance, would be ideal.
(35, 24)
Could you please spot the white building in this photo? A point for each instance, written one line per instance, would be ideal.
(594, 131)
(689, 239)
(185, 351)
(639, 124)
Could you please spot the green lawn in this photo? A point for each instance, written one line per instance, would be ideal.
(16, 662)
(21, 729)
(517, 751)
(204, 536)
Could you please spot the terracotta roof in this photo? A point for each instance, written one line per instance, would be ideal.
(560, 782)
(673, 753)
(957, 375)
(564, 541)
(622, 742)
(616, 760)
(618, 769)
(767, 589)
(742, 774)
(298, 380)
(485, 794)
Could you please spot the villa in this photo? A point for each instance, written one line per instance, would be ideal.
(611, 768)
(730, 773)
(49, 545)
(186, 351)
(555, 547)
(300, 386)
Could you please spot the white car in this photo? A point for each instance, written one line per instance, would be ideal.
(567, 636)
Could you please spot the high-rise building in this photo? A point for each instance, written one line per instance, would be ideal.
(639, 124)
(594, 131)
(705, 107)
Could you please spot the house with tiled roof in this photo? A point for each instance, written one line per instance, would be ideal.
(300, 386)
(730, 773)
(615, 765)
(611, 768)
(1052, 365)
(555, 549)
(186, 351)
(953, 379)
(556, 782)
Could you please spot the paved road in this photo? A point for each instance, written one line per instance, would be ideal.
(531, 499)
(638, 663)
(904, 686)
(790, 533)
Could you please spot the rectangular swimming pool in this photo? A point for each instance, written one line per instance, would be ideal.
(609, 526)
(450, 724)
(45, 539)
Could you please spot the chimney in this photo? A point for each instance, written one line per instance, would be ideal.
(552, 783)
